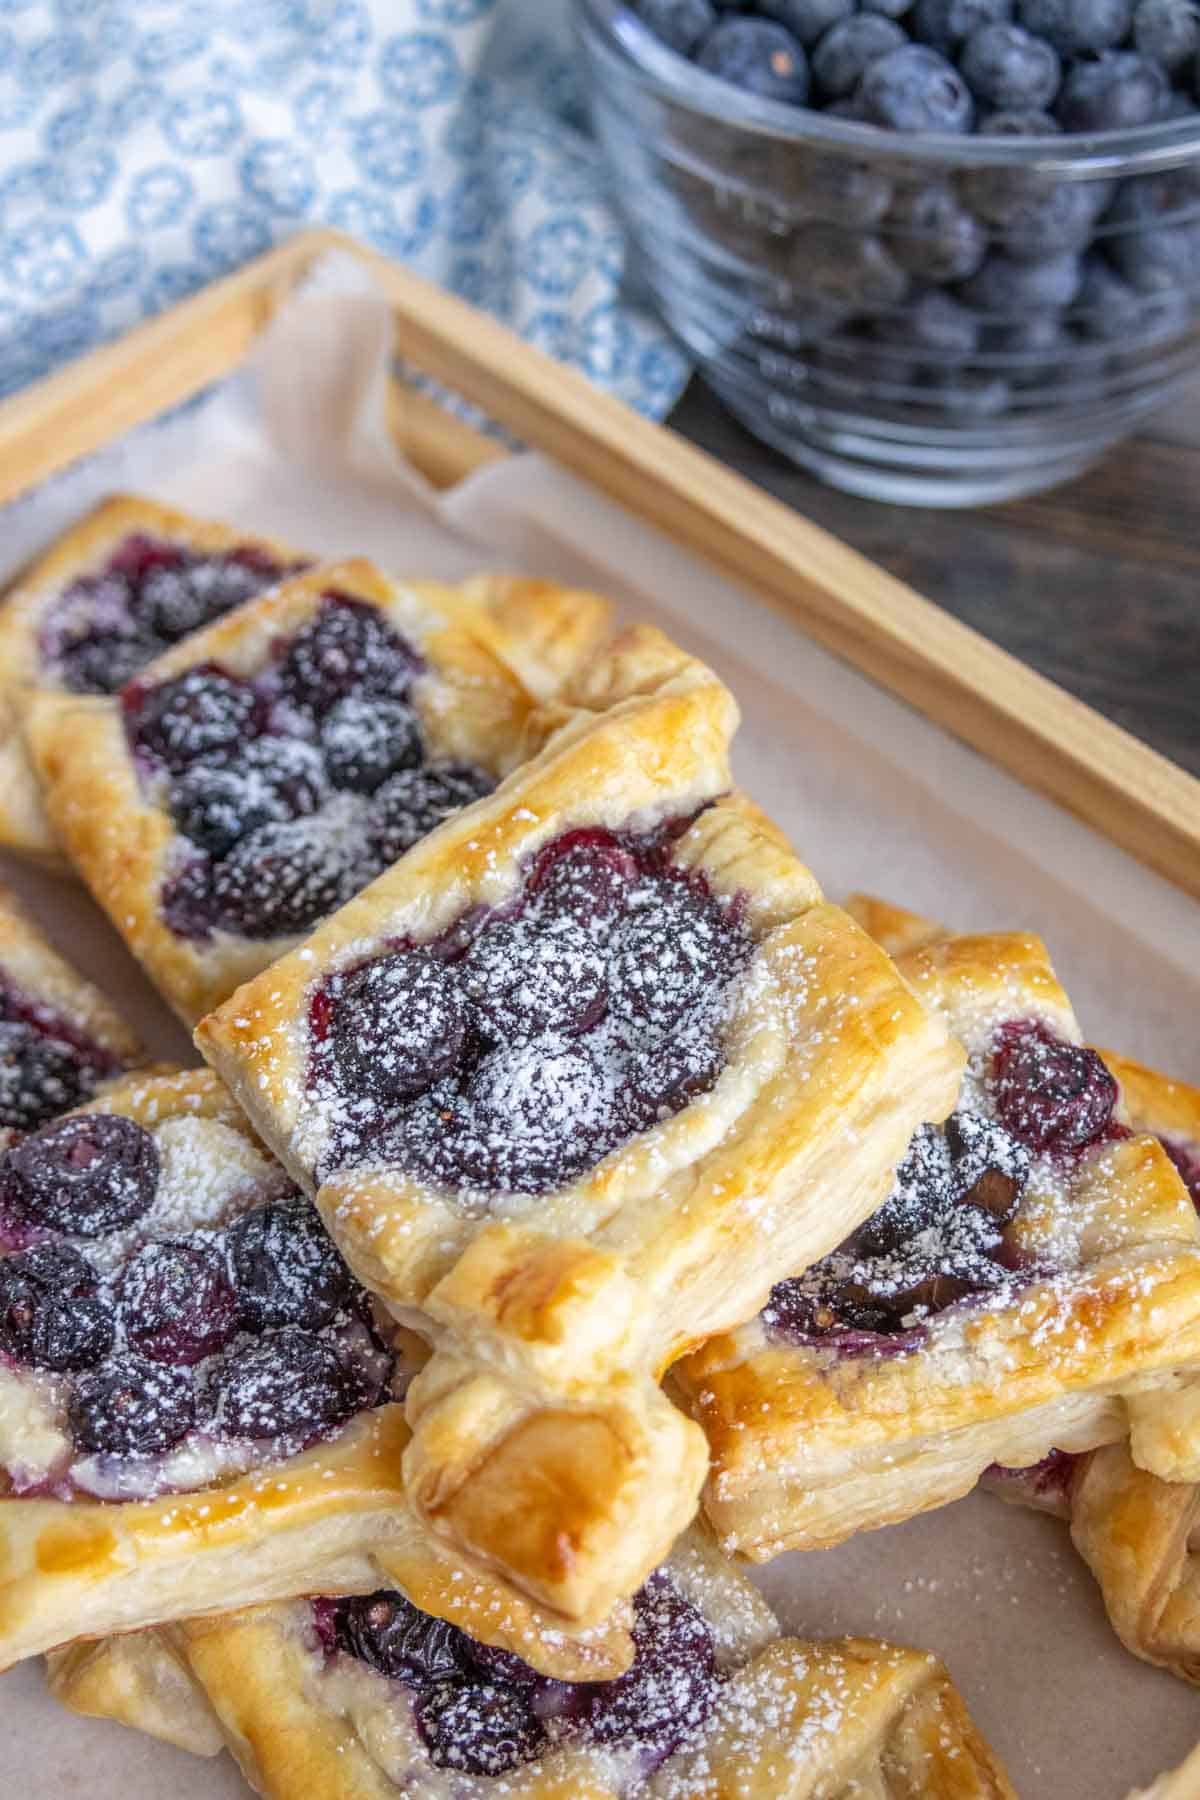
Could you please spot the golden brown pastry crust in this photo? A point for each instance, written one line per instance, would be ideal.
(793, 1720)
(333, 1519)
(473, 707)
(808, 1448)
(24, 825)
(553, 1318)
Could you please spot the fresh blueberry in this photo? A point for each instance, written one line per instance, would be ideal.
(837, 189)
(290, 1385)
(1004, 284)
(1030, 351)
(1168, 31)
(1046, 218)
(130, 1407)
(198, 714)
(1118, 90)
(175, 1302)
(681, 24)
(759, 56)
(931, 236)
(1107, 308)
(806, 19)
(84, 1176)
(1006, 67)
(848, 271)
(390, 1634)
(399, 1024)
(51, 1314)
(915, 89)
(891, 9)
(1019, 124)
(1153, 231)
(848, 49)
(945, 24)
(366, 738)
(1077, 27)
(967, 394)
(40, 1075)
(286, 1268)
(933, 323)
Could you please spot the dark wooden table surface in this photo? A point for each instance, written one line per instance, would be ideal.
(1097, 584)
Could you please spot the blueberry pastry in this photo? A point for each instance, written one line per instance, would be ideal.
(1031, 1282)
(573, 1084)
(369, 1698)
(197, 1400)
(60, 1040)
(1135, 1531)
(245, 784)
(112, 594)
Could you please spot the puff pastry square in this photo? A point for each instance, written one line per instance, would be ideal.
(647, 1068)
(1136, 1532)
(108, 597)
(254, 777)
(197, 1402)
(1032, 1281)
(60, 1040)
(368, 1700)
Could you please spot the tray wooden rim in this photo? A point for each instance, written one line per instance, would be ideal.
(948, 672)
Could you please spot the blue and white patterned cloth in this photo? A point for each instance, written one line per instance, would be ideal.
(148, 146)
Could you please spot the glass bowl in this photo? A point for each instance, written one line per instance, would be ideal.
(934, 320)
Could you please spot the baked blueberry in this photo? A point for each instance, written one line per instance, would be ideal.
(399, 1024)
(664, 1072)
(347, 646)
(174, 598)
(945, 24)
(286, 1268)
(477, 1727)
(525, 976)
(413, 803)
(1007, 67)
(51, 1312)
(40, 1075)
(1167, 31)
(759, 56)
(102, 662)
(923, 1192)
(130, 1407)
(991, 1168)
(670, 1689)
(806, 19)
(849, 47)
(589, 880)
(818, 1305)
(386, 1631)
(1118, 90)
(1051, 1095)
(532, 1117)
(289, 1385)
(915, 89)
(366, 738)
(282, 878)
(932, 236)
(1153, 238)
(1077, 27)
(681, 24)
(272, 779)
(175, 1301)
(668, 955)
(201, 713)
(84, 1176)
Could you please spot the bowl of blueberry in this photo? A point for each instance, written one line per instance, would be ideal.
(938, 251)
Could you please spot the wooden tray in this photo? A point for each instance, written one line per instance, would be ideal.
(1021, 721)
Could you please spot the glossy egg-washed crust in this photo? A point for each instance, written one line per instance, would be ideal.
(793, 1721)
(82, 550)
(808, 1448)
(333, 1519)
(543, 1446)
(493, 651)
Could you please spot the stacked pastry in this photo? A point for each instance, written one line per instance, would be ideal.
(571, 1185)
